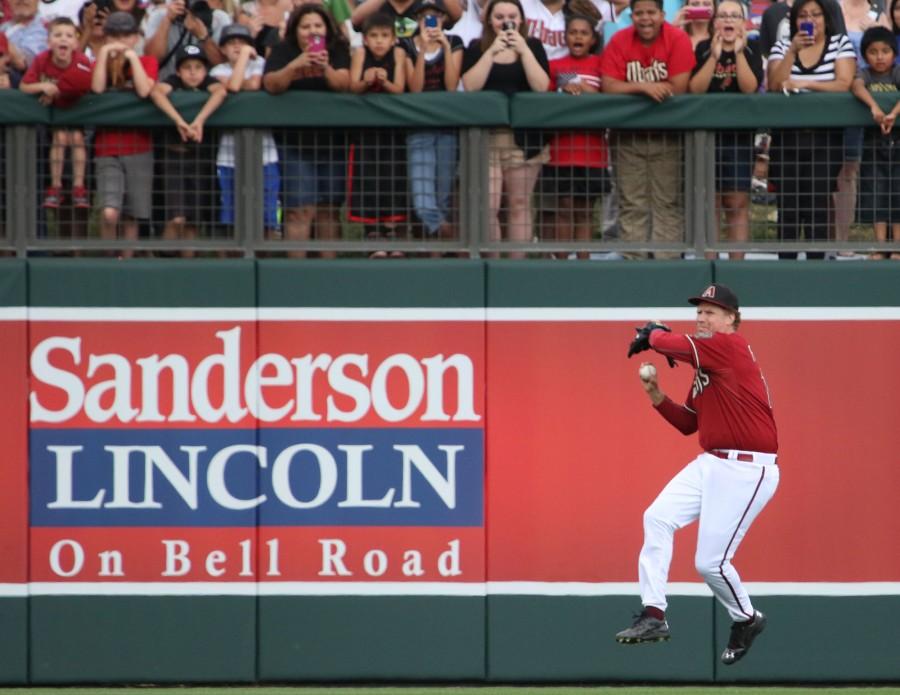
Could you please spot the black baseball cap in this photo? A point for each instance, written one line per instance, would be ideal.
(120, 24)
(190, 52)
(424, 5)
(720, 295)
(236, 31)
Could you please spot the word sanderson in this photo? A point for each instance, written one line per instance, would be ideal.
(110, 387)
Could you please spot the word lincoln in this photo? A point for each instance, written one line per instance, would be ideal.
(260, 391)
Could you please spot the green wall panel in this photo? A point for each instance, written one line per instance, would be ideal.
(141, 283)
(13, 280)
(776, 283)
(606, 284)
(572, 638)
(820, 638)
(371, 638)
(413, 283)
(142, 639)
(14, 641)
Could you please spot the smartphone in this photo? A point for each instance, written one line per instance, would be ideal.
(697, 14)
(508, 25)
(808, 27)
(431, 21)
(316, 44)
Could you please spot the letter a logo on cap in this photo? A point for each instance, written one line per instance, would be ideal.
(709, 292)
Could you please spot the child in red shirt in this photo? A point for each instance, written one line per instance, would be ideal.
(576, 172)
(60, 76)
(123, 157)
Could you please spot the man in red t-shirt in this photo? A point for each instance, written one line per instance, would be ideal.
(727, 485)
(60, 76)
(654, 59)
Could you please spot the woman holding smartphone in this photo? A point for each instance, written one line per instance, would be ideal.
(312, 56)
(695, 17)
(805, 162)
(506, 60)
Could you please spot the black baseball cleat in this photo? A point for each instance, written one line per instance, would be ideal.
(646, 628)
(742, 636)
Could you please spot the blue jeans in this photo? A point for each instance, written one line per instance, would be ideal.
(431, 156)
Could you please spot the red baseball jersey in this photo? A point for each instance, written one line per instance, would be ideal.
(74, 80)
(628, 59)
(729, 401)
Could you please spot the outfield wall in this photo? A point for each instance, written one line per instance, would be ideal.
(270, 471)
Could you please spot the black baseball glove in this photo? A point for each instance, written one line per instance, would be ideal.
(641, 339)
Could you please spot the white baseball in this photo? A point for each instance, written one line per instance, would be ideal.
(647, 372)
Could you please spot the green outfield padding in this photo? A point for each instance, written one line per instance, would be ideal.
(143, 639)
(776, 283)
(13, 282)
(371, 638)
(820, 638)
(411, 284)
(609, 284)
(141, 283)
(14, 641)
(572, 638)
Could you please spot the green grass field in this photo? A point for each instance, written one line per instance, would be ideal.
(465, 690)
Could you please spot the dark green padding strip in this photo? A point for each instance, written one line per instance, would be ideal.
(606, 284)
(14, 641)
(141, 639)
(371, 638)
(300, 109)
(820, 638)
(572, 638)
(18, 108)
(413, 283)
(777, 283)
(13, 282)
(141, 283)
(691, 112)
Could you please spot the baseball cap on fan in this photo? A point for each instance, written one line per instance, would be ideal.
(720, 295)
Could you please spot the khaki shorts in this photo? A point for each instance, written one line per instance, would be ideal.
(506, 154)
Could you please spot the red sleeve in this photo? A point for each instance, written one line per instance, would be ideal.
(679, 416)
(33, 73)
(712, 354)
(151, 67)
(4, 44)
(673, 345)
(612, 60)
(681, 57)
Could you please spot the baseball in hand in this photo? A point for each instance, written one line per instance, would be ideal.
(647, 372)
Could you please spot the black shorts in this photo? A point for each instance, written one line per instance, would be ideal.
(574, 182)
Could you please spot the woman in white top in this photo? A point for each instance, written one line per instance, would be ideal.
(805, 162)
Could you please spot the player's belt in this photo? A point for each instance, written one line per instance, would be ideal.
(733, 455)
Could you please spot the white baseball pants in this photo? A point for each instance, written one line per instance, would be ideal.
(726, 495)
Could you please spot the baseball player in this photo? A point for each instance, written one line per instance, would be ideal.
(727, 485)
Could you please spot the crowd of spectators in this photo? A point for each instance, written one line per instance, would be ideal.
(61, 49)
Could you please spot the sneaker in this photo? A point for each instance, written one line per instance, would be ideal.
(80, 197)
(646, 628)
(742, 636)
(52, 197)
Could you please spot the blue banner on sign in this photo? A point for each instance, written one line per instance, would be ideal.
(268, 477)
